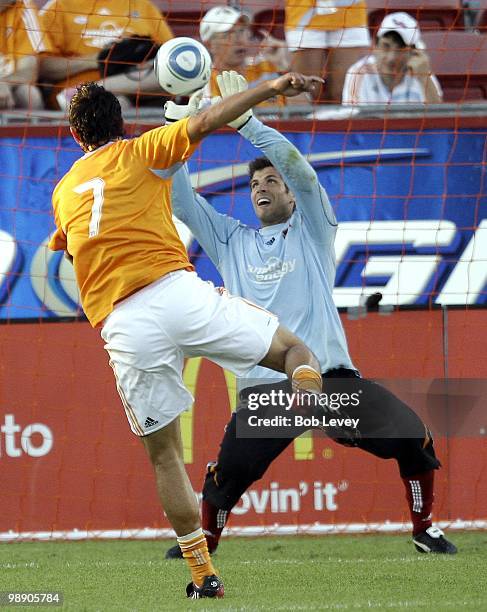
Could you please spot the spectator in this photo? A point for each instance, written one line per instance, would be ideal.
(397, 72)
(20, 43)
(326, 40)
(78, 35)
(226, 33)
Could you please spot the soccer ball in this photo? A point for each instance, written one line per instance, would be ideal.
(182, 66)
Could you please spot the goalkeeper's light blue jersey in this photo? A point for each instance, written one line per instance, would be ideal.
(287, 268)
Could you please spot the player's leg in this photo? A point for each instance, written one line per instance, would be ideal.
(164, 448)
(238, 335)
(288, 354)
(148, 370)
(177, 497)
(240, 462)
(390, 429)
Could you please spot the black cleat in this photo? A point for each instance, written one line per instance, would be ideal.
(433, 541)
(174, 553)
(211, 587)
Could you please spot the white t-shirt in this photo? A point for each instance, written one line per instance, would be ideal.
(363, 85)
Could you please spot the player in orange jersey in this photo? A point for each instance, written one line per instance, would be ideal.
(21, 41)
(113, 219)
(79, 31)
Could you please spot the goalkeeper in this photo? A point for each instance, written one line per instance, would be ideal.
(288, 267)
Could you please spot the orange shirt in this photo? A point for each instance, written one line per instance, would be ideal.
(114, 216)
(84, 28)
(331, 15)
(20, 35)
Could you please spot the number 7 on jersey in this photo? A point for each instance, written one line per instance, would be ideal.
(96, 185)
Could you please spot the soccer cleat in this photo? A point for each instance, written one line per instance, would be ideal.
(433, 541)
(174, 552)
(211, 587)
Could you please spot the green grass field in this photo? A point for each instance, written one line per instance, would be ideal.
(270, 573)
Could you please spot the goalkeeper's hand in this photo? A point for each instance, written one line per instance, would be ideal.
(174, 112)
(229, 83)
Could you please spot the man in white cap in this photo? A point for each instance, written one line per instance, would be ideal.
(397, 72)
(226, 33)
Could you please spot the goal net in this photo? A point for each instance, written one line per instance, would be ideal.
(408, 187)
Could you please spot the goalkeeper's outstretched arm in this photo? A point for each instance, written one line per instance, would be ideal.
(218, 115)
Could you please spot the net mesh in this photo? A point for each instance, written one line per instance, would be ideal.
(408, 189)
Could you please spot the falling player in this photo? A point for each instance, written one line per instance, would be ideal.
(113, 219)
(297, 225)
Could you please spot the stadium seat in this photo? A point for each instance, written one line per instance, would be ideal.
(272, 20)
(184, 17)
(459, 60)
(431, 14)
(184, 23)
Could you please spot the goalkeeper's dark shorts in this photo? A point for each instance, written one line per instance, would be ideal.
(388, 429)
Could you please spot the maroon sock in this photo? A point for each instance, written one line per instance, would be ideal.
(420, 495)
(213, 522)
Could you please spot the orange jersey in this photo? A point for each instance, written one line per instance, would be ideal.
(255, 72)
(21, 35)
(325, 14)
(81, 29)
(114, 217)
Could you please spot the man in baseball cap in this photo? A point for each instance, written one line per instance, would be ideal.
(226, 33)
(397, 72)
(405, 26)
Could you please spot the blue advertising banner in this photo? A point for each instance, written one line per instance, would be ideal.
(412, 209)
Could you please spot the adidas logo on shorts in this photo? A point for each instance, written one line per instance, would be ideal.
(150, 422)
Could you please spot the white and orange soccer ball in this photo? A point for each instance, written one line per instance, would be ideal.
(182, 66)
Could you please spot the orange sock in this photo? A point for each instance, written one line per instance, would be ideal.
(195, 551)
(306, 378)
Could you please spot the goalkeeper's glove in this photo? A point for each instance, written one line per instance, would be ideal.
(174, 112)
(229, 83)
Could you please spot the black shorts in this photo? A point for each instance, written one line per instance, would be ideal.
(389, 429)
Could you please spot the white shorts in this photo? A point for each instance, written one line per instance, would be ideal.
(302, 38)
(149, 334)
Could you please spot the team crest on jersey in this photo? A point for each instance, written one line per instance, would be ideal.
(273, 269)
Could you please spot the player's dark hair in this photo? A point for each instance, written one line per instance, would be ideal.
(259, 163)
(395, 38)
(95, 115)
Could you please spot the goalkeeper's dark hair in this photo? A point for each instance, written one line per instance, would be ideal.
(259, 163)
(95, 115)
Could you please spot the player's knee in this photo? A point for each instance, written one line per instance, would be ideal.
(163, 450)
(286, 345)
(417, 456)
(224, 495)
(224, 485)
(186, 515)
